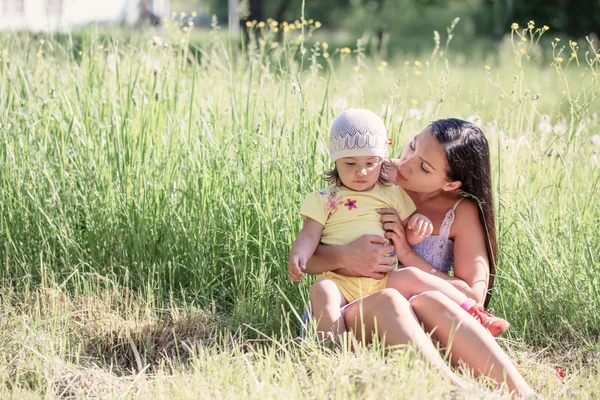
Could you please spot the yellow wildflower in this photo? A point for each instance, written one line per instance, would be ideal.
(522, 51)
(514, 26)
(310, 21)
(300, 37)
(384, 64)
(173, 13)
(598, 55)
(557, 39)
(261, 41)
(573, 54)
(194, 14)
(248, 24)
(326, 55)
(523, 39)
(317, 24)
(355, 68)
(182, 15)
(559, 60)
(261, 24)
(345, 50)
(417, 72)
(418, 63)
(406, 62)
(95, 58)
(275, 29)
(488, 68)
(274, 23)
(325, 45)
(286, 28)
(298, 24)
(380, 69)
(414, 102)
(100, 47)
(564, 92)
(546, 28)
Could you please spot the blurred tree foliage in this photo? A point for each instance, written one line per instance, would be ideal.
(400, 18)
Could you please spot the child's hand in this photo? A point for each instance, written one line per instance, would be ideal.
(421, 225)
(296, 265)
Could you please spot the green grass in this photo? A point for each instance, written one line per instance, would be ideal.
(149, 197)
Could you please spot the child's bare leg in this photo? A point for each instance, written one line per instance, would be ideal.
(326, 301)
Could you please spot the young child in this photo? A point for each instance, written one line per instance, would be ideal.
(347, 210)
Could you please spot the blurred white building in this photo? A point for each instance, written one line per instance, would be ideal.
(44, 15)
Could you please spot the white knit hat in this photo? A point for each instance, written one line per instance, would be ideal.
(357, 132)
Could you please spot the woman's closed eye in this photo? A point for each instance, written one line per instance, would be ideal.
(424, 169)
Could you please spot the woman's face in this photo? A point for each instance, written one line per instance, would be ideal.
(423, 165)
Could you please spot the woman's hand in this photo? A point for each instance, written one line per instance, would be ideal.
(368, 256)
(394, 231)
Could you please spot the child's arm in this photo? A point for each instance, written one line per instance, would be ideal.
(303, 248)
(417, 229)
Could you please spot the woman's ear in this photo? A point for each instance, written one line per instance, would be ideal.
(451, 185)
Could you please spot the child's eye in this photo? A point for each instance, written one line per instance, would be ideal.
(350, 163)
(370, 164)
(423, 168)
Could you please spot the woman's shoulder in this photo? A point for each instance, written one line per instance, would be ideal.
(466, 217)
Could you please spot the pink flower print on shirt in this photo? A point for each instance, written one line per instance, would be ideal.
(332, 202)
(350, 204)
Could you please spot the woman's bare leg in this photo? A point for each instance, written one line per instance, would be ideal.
(395, 320)
(470, 343)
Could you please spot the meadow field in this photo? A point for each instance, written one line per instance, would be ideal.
(150, 188)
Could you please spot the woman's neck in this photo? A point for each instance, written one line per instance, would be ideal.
(420, 198)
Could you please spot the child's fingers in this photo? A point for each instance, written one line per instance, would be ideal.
(295, 276)
(429, 229)
(419, 226)
(411, 223)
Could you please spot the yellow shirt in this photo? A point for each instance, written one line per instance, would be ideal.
(346, 214)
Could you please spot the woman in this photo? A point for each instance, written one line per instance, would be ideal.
(447, 161)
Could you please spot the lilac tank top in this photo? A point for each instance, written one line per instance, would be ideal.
(438, 250)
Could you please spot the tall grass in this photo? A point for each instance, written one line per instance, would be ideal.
(177, 175)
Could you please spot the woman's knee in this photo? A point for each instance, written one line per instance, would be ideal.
(391, 299)
(429, 300)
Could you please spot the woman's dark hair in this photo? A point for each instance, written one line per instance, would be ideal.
(468, 157)
(333, 176)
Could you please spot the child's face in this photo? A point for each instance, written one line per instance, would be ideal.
(359, 173)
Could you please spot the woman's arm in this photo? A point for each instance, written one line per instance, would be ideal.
(365, 256)
(470, 253)
(471, 262)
